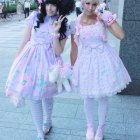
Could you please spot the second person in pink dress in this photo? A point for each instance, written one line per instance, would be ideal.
(98, 70)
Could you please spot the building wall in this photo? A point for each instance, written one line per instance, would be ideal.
(130, 46)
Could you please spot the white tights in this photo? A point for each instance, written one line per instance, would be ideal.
(102, 111)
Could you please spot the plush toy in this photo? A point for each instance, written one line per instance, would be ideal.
(61, 75)
(100, 9)
(54, 73)
(107, 16)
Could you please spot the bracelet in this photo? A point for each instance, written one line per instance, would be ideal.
(108, 17)
(56, 35)
(111, 20)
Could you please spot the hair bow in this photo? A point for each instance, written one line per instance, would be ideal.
(39, 1)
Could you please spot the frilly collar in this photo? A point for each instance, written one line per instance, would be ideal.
(50, 18)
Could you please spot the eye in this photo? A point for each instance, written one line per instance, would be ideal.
(87, 3)
(95, 4)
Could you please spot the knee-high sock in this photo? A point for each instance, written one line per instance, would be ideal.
(102, 110)
(48, 108)
(89, 111)
(37, 114)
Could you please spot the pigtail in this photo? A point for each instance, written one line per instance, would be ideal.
(41, 14)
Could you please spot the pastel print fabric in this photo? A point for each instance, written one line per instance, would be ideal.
(98, 71)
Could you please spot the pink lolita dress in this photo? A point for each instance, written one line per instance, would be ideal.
(28, 77)
(98, 71)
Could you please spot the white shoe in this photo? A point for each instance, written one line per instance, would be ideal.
(99, 133)
(89, 138)
(90, 134)
(47, 128)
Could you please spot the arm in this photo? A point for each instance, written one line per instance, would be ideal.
(27, 33)
(74, 50)
(116, 30)
(109, 20)
(2, 6)
(26, 38)
(58, 45)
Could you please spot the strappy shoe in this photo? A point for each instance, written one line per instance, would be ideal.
(99, 133)
(47, 128)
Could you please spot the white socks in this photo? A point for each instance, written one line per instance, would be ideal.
(48, 108)
(37, 113)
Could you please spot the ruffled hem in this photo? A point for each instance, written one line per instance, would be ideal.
(17, 98)
(96, 95)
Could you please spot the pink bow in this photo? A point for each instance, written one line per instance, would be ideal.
(39, 1)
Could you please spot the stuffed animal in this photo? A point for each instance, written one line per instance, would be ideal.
(61, 75)
(100, 9)
(54, 73)
(106, 16)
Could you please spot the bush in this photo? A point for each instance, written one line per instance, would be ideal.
(11, 8)
(33, 6)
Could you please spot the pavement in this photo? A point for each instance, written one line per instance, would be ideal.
(122, 123)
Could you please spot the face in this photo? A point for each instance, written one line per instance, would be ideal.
(51, 9)
(89, 6)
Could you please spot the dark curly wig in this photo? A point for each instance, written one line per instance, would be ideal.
(64, 7)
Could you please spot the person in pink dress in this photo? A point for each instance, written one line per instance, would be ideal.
(98, 71)
(44, 40)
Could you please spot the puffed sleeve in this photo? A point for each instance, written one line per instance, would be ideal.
(31, 19)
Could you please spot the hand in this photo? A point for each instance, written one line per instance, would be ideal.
(57, 24)
(106, 16)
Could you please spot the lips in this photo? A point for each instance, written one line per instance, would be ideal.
(50, 13)
(90, 11)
